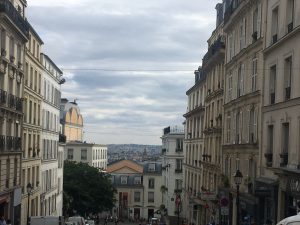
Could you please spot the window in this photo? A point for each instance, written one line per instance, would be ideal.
(287, 77)
(254, 74)
(274, 25)
(150, 196)
(228, 125)
(11, 46)
(230, 87)
(124, 180)
(243, 34)
(272, 84)
(137, 196)
(230, 49)
(3, 39)
(285, 128)
(290, 10)
(137, 180)
(252, 126)
(178, 164)
(178, 184)
(151, 167)
(83, 154)
(179, 144)
(240, 86)
(151, 183)
(237, 128)
(70, 154)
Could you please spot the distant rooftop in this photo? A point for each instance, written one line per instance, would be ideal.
(173, 130)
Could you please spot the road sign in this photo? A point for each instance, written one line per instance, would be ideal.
(224, 202)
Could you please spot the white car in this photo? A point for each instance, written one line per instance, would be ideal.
(78, 219)
(292, 220)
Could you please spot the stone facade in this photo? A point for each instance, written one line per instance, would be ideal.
(14, 33)
(172, 170)
(32, 126)
(71, 120)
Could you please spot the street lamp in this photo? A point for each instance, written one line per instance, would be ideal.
(238, 177)
(29, 189)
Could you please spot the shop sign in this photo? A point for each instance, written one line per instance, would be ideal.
(224, 211)
(208, 196)
(294, 186)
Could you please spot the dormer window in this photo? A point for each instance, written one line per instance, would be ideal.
(124, 180)
(151, 167)
(137, 180)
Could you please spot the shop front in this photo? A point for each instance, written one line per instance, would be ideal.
(292, 195)
(266, 190)
(248, 209)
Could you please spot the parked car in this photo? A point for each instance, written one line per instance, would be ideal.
(292, 220)
(89, 222)
(47, 220)
(78, 219)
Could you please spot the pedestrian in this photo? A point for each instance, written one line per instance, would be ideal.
(2, 220)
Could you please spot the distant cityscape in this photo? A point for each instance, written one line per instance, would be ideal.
(135, 152)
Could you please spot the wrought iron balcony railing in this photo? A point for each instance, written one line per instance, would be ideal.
(15, 16)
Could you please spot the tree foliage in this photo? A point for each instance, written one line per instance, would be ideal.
(86, 189)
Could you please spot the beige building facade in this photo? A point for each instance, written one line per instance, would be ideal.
(194, 149)
(71, 120)
(244, 31)
(280, 155)
(93, 154)
(32, 127)
(14, 33)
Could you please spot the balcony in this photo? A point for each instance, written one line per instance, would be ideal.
(178, 150)
(287, 93)
(213, 49)
(269, 159)
(178, 170)
(19, 104)
(284, 159)
(10, 143)
(3, 96)
(12, 13)
(11, 101)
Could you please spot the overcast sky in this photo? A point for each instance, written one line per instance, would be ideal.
(117, 36)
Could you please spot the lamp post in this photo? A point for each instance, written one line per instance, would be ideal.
(238, 177)
(29, 189)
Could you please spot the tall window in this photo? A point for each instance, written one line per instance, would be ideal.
(70, 154)
(178, 184)
(252, 126)
(230, 49)
(137, 196)
(240, 86)
(285, 137)
(178, 164)
(124, 179)
(3, 39)
(83, 154)
(290, 11)
(287, 77)
(228, 126)
(151, 183)
(179, 144)
(254, 74)
(11, 46)
(230, 87)
(150, 196)
(151, 167)
(275, 25)
(243, 33)
(237, 128)
(272, 84)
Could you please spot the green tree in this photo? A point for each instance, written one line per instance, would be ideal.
(86, 189)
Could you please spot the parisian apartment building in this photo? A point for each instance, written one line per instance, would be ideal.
(172, 170)
(14, 34)
(138, 186)
(32, 125)
(247, 91)
(24, 155)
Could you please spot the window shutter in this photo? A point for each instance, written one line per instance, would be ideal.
(259, 20)
(242, 78)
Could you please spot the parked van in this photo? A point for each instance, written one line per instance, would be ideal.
(47, 220)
